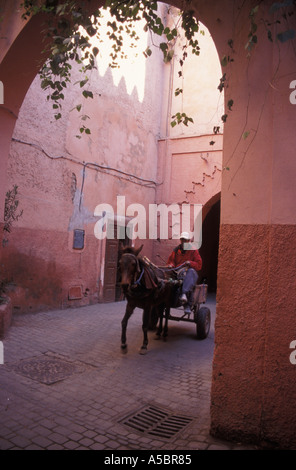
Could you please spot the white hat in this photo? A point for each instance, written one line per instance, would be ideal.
(185, 235)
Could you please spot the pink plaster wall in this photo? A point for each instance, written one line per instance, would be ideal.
(17, 70)
(59, 194)
(253, 380)
(191, 173)
(190, 157)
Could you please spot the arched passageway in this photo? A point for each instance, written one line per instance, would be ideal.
(251, 398)
(210, 242)
(48, 161)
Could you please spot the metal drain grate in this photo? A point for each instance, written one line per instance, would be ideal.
(156, 422)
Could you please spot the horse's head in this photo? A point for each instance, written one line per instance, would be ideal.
(129, 266)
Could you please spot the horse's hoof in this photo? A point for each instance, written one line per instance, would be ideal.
(124, 348)
(143, 351)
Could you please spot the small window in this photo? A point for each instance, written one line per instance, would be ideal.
(78, 239)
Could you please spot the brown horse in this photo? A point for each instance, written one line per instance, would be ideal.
(143, 288)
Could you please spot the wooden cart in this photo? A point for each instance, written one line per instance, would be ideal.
(200, 315)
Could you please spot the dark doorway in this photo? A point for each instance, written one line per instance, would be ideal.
(210, 246)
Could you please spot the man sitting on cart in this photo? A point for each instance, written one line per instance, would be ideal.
(189, 257)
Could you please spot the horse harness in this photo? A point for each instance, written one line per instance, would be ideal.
(145, 272)
(137, 282)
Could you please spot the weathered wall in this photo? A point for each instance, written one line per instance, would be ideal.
(198, 78)
(191, 174)
(17, 70)
(61, 179)
(190, 157)
(253, 380)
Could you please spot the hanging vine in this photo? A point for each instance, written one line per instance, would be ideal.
(71, 29)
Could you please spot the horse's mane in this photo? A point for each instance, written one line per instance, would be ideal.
(130, 249)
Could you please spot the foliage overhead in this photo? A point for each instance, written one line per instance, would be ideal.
(71, 29)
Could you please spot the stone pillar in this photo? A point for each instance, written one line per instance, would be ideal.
(253, 389)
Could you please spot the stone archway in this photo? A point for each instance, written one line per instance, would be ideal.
(18, 68)
(253, 381)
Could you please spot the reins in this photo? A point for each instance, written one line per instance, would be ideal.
(138, 281)
(148, 263)
(163, 268)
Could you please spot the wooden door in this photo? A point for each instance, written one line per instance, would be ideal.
(112, 290)
(110, 276)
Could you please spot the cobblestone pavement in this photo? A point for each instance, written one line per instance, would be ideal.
(66, 385)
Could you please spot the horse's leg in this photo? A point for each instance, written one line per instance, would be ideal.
(145, 325)
(128, 312)
(166, 328)
(159, 329)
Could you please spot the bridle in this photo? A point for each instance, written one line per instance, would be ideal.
(137, 281)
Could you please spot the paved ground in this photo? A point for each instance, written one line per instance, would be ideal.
(66, 385)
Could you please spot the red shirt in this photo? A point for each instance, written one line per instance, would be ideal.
(179, 256)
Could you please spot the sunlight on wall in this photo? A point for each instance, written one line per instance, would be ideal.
(132, 67)
(201, 98)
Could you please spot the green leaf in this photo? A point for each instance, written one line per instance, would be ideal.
(95, 51)
(246, 134)
(147, 52)
(224, 61)
(254, 10)
(169, 56)
(230, 104)
(87, 94)
(178, 91)
(163, 46)
(83, 82)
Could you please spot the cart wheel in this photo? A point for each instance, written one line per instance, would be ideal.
(202, 318)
